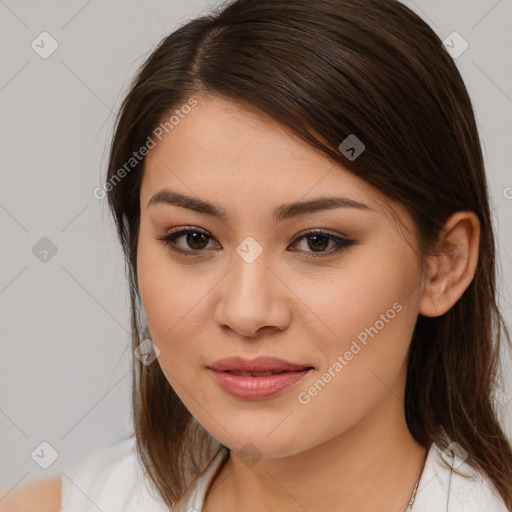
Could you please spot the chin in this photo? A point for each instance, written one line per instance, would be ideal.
(260, 444)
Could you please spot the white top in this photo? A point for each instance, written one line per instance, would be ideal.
(113, 480)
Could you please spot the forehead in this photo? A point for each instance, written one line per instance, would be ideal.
(232, 154)
(234, 138)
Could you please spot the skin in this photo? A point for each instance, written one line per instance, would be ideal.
(40, 496)
(291, 305)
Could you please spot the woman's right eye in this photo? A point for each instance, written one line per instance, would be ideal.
(194, 238)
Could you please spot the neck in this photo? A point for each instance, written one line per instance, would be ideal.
(377, 461)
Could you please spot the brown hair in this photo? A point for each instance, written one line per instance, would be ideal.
(328, 69)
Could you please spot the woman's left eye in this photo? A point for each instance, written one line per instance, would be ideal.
(197, 240)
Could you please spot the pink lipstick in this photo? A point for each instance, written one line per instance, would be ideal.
(259, 378)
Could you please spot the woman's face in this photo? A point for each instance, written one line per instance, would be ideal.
(253, 283)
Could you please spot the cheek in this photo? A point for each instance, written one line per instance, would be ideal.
(368, 293)
(174, 303)
(364, 359)
(367, 320)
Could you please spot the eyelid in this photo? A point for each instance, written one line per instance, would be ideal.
(321, 231)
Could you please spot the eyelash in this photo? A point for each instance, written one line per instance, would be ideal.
(342, 243)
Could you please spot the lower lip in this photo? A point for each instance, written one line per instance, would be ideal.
(257, 388)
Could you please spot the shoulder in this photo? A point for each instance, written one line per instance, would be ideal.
(40, 496)
(449, 483)
(112, 478)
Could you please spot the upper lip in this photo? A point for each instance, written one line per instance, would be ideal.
(259, 364)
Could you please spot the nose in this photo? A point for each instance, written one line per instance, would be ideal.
(253, 299)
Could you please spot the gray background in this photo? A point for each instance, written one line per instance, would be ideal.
(64, 332)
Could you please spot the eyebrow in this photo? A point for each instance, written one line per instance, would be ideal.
(285, 211)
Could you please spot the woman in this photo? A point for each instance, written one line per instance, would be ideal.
(300, 194)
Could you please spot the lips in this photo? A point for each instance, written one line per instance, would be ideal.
(257, 379)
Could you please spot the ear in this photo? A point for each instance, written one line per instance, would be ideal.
(452, 268)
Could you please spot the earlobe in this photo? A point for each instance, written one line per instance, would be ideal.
(453, 267)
